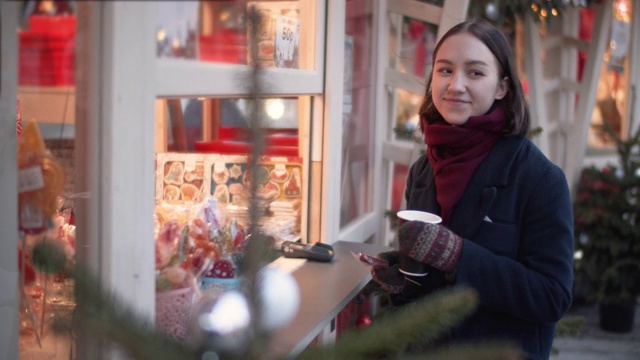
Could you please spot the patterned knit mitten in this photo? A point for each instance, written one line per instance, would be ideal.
(389, 278)
(432, 244)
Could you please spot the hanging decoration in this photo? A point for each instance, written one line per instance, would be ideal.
(620, 36)
(491, 11)
(505, 12)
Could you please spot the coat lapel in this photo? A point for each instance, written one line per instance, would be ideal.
(490, 176)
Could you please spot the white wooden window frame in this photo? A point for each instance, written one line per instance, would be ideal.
(9, 299)
(364, 228)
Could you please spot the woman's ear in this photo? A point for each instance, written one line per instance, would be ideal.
(503, 88)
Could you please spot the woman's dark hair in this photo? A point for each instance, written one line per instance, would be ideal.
(514, 102)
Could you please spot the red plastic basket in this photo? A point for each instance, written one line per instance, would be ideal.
(47, 51)
(226, 46)
(49, 24)
(242, 148)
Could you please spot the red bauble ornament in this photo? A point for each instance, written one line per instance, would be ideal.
(363, 321)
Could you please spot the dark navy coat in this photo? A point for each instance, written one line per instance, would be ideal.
(517, 224)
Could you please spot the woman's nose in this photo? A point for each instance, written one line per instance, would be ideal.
(457, 82)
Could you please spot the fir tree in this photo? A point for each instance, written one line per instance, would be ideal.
(607, 223)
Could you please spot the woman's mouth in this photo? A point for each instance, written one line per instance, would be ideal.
(456, 101)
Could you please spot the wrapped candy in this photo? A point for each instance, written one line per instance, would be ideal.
(194, 243)
(167, 244)
(184, 250)
(172, 248)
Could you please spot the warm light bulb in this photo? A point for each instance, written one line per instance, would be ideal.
(622, 8)
(274, 108)
(175, 43)
(162, 34)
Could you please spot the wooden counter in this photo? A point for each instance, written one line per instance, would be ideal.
(325, 289)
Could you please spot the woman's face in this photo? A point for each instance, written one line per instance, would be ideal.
(465, 79)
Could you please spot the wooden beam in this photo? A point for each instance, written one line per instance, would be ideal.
(416, 10)
(537, 88)
(577, 140)
(453, 12)
(399, 80)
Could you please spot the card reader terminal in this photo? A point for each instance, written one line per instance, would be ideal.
(317, 251)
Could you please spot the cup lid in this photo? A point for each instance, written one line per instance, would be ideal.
(416, 215)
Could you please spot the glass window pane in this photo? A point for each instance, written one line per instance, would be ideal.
(217, 31)
(46, 110)
(411, 45)
(358, 125)
(210, 124)
(611, 96)
(208, 141)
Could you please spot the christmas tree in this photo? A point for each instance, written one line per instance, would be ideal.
(607, 224)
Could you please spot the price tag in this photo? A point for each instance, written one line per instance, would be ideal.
(31, 219)
(287, 40)
(189, 165)
(30, 179)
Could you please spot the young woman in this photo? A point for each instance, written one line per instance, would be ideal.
(507, 228)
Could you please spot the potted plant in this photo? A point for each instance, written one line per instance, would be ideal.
(607, 233)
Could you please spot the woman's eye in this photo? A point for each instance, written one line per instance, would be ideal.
(476, 73)
(444, 71)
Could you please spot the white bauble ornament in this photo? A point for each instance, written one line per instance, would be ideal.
(491, 11)
(221, 323)
(280, 297)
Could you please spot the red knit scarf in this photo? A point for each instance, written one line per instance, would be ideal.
(455, 152)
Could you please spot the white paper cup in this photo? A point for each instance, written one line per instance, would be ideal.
(415, 215)
(409, 266)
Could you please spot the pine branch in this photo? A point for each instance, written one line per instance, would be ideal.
(418, 322)
(393, 218)
(570, 326)
(484, 351)
(257, 249)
